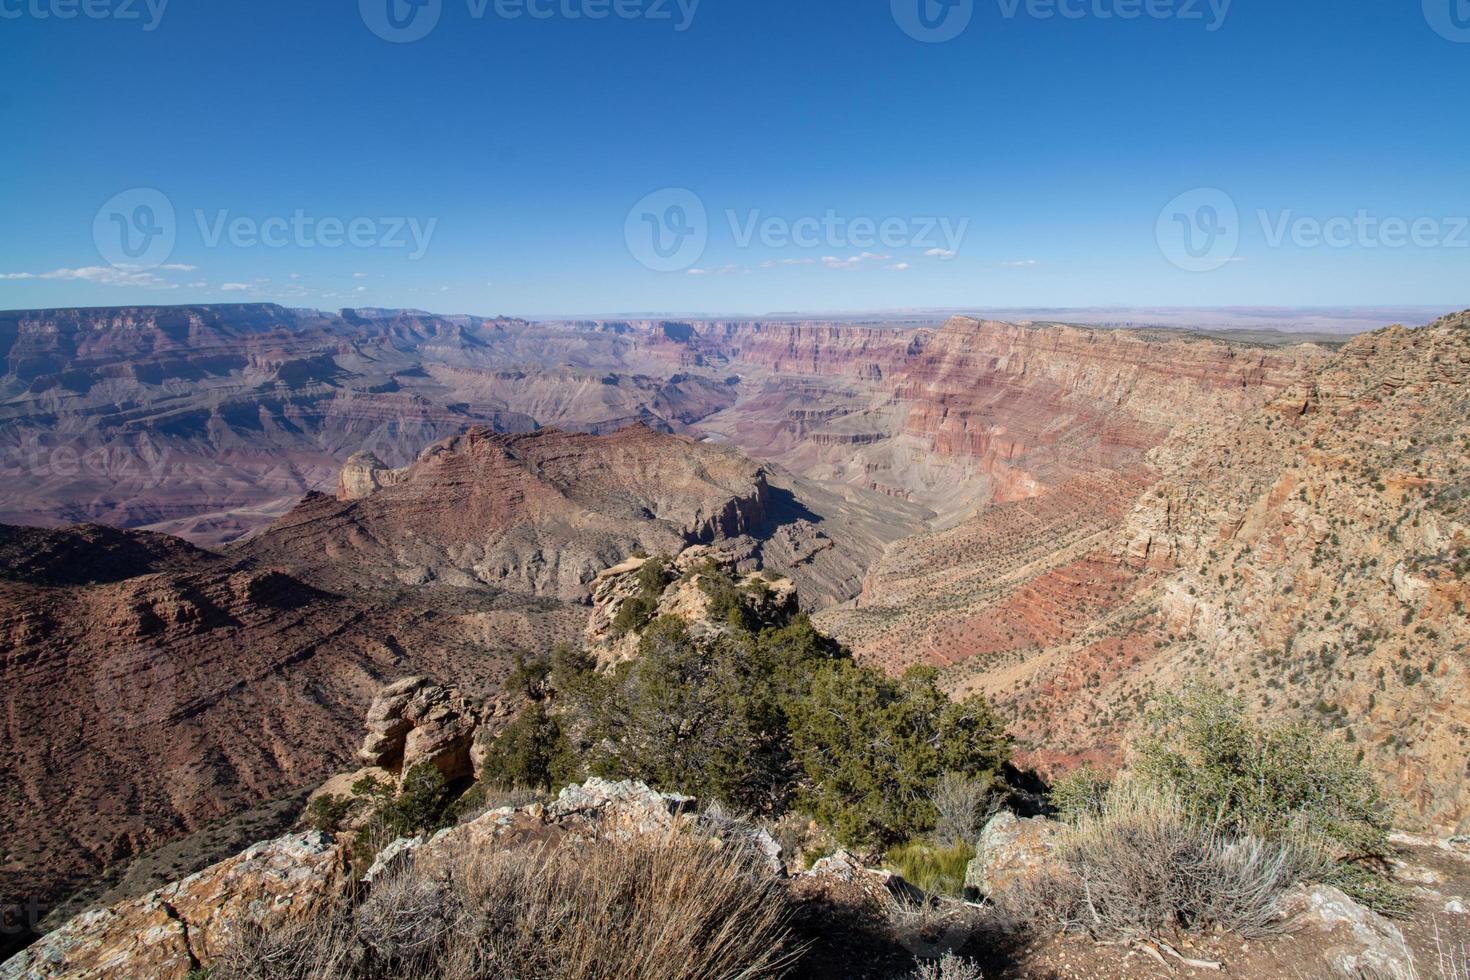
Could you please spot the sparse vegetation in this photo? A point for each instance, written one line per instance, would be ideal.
(1289, 782)
(667, 906)
(1143, 865)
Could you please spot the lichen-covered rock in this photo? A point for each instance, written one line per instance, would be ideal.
(177, 928)
(624, 806)
(1012, 852)
(1363, 943)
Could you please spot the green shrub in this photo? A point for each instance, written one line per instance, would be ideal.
(638, 610)
(694, 715)
(873, 749)
(327, 812)
(727, 601)
(421, 804)
(1079, 794)
(533, 752)
(1288, 782)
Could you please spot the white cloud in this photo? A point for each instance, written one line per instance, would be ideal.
(109, 275)
(359, 275)
(773, 263)
(1020, 264)
(295, 275)
(900, 267)
(360, 289)
(235, 287)
(698, 272)
(197, 285)
(940, 253)
(853, 261)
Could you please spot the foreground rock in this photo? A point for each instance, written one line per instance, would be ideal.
(178, 928)
(1360, 941)
(186, 925)
(593, 810)
(1012, 854)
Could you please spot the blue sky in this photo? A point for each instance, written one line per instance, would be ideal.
(519, 147)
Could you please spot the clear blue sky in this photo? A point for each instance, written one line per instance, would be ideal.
(527, 141)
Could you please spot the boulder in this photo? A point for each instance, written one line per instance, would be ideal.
(414, 721)
(1362, 942)
(363, 474)
(1012, 852)
(173, 930)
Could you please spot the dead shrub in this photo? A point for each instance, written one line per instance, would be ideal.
(947, 967)
(678, 906)
(1142, 867)
(964, 804)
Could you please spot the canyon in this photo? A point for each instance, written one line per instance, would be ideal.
(245, 519)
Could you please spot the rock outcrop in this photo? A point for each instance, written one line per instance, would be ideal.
(413, 722)
(183, 926)
(683, 592)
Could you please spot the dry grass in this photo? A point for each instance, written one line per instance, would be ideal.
(675, 906)
(1142, 868)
